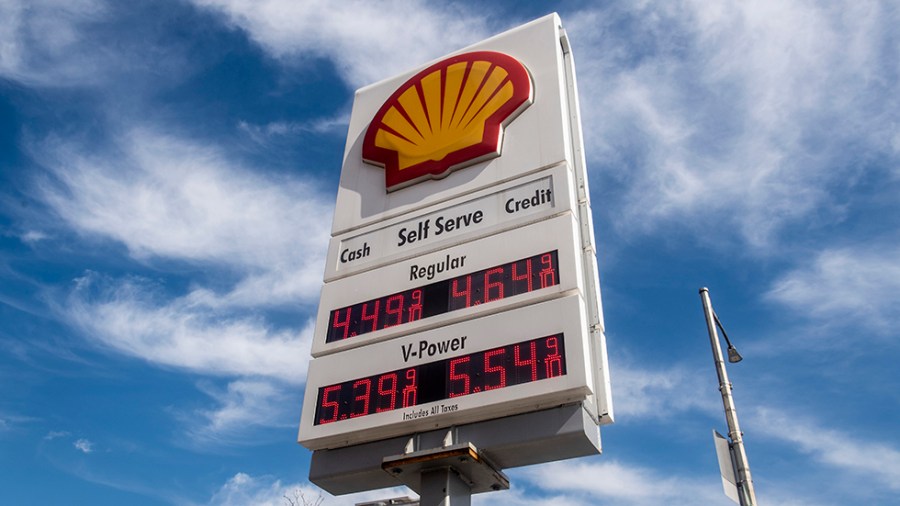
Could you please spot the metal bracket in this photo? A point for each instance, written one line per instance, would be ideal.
(464, 459)
(564, 41)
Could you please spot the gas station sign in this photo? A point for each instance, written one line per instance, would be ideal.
(461, 286)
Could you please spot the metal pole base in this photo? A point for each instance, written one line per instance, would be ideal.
(444, 487)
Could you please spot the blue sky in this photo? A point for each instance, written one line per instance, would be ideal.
(167, 178)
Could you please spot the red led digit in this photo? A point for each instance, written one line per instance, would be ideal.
(488, 368)
(548, 272)
(415, 310)
(387, 388)
(364, 397)
(553, 361)
(373, 316)
(467, 293)
(497, 286)
(463, 376)
(394, 307)
(529, 362)
(328, 403)
(526, 276)
(553, 346)
(344, 323)
(409, 391)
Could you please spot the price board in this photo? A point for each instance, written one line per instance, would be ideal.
(496, 365)
(488, 275)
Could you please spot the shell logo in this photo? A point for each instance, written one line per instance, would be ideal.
(446, 117)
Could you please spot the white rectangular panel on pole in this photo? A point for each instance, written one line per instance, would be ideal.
(558, 236)
(499, 208)
(361, 421)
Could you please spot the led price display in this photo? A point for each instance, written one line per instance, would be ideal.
(509, 365)
(488, 285)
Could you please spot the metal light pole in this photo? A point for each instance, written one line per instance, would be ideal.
(744, 481)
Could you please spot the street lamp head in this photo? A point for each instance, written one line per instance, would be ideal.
(733, 355)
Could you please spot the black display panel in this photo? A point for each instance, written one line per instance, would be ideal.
(509, 365)
(482, 287)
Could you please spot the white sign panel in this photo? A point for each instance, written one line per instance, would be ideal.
(460, 282)
(493, 274)
(726, 467)
(532, 138)
(501, 208)
(499, 365)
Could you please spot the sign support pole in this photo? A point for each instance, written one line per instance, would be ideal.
(744, 481)
(444, 487)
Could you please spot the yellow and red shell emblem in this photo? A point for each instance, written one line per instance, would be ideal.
(446, 117)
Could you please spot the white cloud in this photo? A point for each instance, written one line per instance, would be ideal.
(649, 394)
(366, 41)
(169, 198)
(743, 116)
(244, 405)
(519, 495)
(11, 421)
(129, 317)
(33, 236)
(242, 489)
(84, 445)
(52, 43)
(80, 43)
(54, 434)
(870, 460)
(846, 286)
(43, 42)
(260, 241)
(614, 483)
(263, 134)
(573, 483)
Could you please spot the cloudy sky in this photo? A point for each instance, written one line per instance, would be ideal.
(167, 180)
